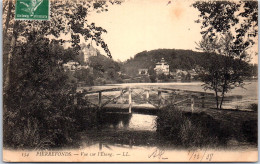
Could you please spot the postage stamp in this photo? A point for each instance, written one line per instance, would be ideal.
(32, 10)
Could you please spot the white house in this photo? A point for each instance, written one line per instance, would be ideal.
(71, 66)
(162, 67)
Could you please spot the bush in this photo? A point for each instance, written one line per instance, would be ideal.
(100, 81)
(249, 131)
(190, 129)
(38, 102)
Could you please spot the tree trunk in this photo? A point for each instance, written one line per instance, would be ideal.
(7, 59)
(223, 94)
(7, 20)
(223, 91)
(12, 46)
(222, 98)
(216, 96)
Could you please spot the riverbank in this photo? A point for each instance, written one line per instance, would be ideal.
(213, 128)
(205, 128)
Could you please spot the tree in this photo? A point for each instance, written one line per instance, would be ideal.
(38, 96)
(226, 28)
(38, 99)
(152, 74)
(67, 17)
(222, 73)
(84, 75)
(104, 67)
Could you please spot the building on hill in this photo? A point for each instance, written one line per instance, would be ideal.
(83, 58)
(87, 51)
(162, 67)
(71, 66)
(143, 71)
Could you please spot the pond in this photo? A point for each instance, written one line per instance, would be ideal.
(238, 98)
(122, 128)
(138, 131)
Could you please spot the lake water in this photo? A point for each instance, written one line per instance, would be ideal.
(241, 97)
(139, 130)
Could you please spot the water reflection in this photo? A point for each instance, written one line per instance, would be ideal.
(126, 121)
(122, 130)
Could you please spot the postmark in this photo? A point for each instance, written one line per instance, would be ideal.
(32, 10)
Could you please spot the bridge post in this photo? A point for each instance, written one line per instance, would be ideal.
(130, 100)
(99, 99)
(121, 96)
(203, 100)
(147, 96)
(160, 98)
(192, 103)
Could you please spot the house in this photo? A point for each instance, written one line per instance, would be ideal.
(162, 67)
(71, 66)
(87, 51)
(143, 71)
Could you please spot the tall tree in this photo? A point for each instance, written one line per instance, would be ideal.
(38, 99)
(229, 29)
(69, 17)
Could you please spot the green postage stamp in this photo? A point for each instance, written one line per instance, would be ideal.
(32, 10)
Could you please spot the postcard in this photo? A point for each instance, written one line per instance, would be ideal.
(130, 81)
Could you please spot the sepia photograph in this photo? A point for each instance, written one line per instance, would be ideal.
(130, 80)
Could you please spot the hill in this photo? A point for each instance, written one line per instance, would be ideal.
(177, 59)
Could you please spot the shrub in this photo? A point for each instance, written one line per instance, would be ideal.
(250, 131)
(38, 101)
(190, 129)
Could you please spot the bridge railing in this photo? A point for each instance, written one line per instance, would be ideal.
(104, 97)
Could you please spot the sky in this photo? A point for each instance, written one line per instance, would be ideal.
(139, 25)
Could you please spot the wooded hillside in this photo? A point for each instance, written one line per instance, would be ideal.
(177, 59)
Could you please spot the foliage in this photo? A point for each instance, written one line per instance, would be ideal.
(163, 77)
(84, 75)
(38, 97)
(104, 68)
(66, 17)
(177, 59)
(190, 130)
(221, 17)
(225, 30)
(254, 69)
(250, 131)
(222, 72)
(152, 74)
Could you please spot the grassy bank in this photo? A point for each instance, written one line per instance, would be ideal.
(46, 129)
(210, 128)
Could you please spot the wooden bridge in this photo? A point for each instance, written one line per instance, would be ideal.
(141, 100)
